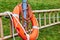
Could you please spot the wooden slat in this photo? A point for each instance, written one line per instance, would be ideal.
(57, 17)
(1, 28)
(44, 18)
(53, 17)
(39, 20)
(50, 18)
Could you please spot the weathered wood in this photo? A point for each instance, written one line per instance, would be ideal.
(44, 18)
(57, 17)
(50, 10)
(50, 18)
(9, 36)
(3, 14)
(1, 29)
(53, 18)
(39, 20)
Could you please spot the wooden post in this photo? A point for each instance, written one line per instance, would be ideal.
(1, 29)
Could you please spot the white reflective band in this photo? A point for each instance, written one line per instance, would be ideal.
(16, 15)
(35, 27)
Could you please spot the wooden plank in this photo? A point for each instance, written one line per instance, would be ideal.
(1, 29)
(3, 14)
(50, 10)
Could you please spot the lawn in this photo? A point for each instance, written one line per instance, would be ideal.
(51, 33)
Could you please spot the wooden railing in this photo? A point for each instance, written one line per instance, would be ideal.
(48, 18)
(45, 18)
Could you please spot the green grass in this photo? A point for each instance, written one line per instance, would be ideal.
(51, 33)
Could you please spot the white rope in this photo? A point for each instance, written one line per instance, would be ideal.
(12, 24)
(14, 15)
(21, 27)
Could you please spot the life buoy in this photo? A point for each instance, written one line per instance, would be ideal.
(34, 34)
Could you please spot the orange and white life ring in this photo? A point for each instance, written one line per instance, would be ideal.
(34, 34)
